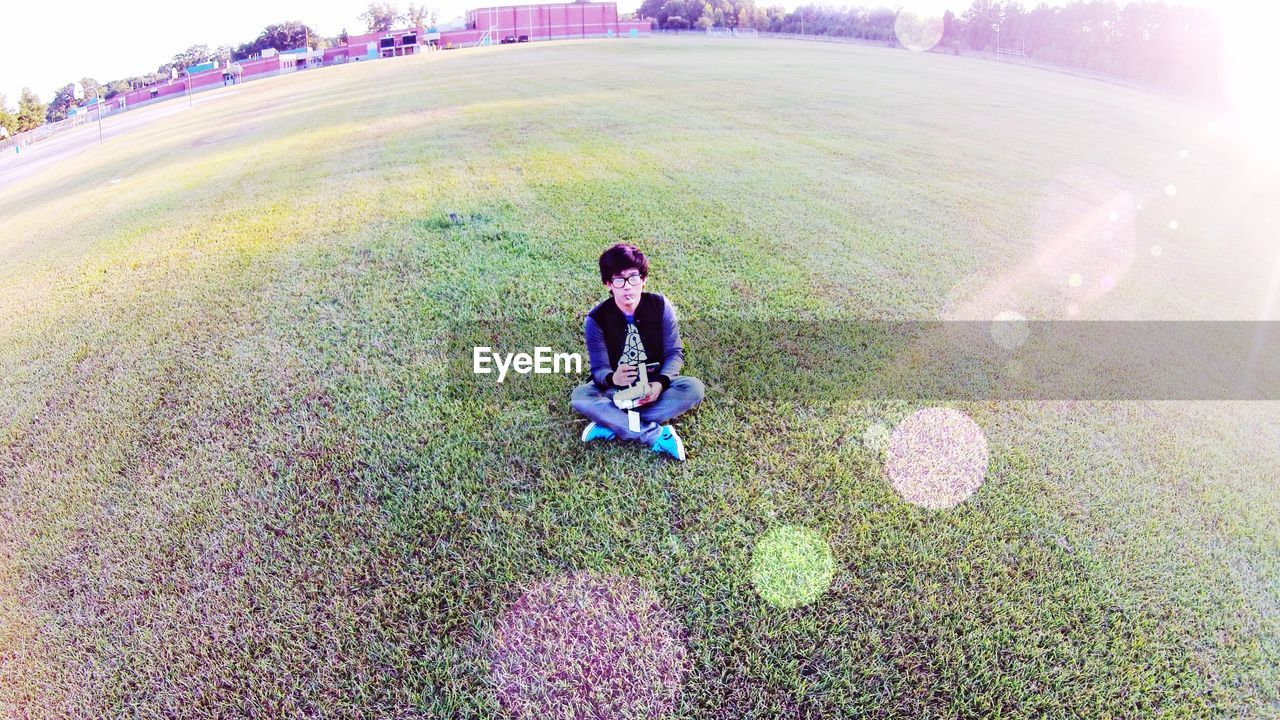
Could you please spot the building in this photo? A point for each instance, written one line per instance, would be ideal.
(300, 59)
(559, 21)
(393, 43)
(511, 23)
(483, 26)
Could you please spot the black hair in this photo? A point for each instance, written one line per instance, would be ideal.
(621, 257)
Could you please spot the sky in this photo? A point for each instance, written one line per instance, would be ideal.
(119, 42)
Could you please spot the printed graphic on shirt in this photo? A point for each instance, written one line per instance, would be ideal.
(632, 348)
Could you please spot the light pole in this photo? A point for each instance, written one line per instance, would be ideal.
(77, 93)
(101, 107)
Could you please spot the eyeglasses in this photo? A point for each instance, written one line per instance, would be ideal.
(631, 280)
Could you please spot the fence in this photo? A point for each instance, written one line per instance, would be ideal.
(48, 130)
(44, 132)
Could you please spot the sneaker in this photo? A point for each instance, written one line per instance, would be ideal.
(670, 443)
(594, 431)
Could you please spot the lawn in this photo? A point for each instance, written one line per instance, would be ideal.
(244, 470)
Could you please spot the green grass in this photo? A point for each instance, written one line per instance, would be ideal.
(240, 473)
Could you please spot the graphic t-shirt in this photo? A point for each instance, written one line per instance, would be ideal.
(632, 347)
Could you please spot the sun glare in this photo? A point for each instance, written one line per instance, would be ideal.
(1248, 66)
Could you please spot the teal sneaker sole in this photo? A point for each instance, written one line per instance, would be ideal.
(591, 427)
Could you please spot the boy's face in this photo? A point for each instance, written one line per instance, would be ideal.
(628, 294)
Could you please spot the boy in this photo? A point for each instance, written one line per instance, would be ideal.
(629, 328)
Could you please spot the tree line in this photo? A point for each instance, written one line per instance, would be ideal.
(1172, 46)
(32, 112)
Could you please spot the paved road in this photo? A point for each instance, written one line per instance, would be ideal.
(34, 158)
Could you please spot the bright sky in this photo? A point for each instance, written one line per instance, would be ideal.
(37, 50)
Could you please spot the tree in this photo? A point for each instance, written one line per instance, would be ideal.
(118, 87)
(879, 25)
(279, 36)
(380, 16)
(677, 9)
(30, 111)
(776, 14)
(194, 55)
(63, 100)
(92, 88)
(649, 8)
(1040, 28)
(1013, 26)
(952, 30)
(1171, 45)
(8, 120)
(282, 36)
(982, 18)
(420, 16)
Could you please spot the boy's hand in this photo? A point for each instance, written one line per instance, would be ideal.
(625, 375)
(652, 393)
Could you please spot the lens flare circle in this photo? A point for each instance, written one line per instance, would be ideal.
(876, 437)
(937, 458)
(920, 33)
(791, 566)
(1009, 330)
(587, 645)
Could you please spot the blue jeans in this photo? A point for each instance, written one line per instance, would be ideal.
(596, 404)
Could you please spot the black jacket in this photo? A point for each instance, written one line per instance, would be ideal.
(655, 319)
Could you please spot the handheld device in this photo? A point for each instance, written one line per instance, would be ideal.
(626, 398)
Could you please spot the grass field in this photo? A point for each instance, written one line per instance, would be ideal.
(239, 475)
